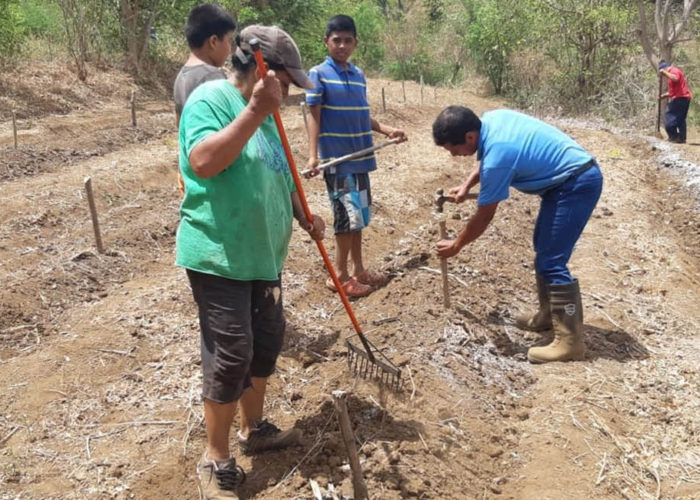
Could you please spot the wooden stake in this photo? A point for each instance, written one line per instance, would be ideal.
(403, 87)
(383, 101)
(443, 266)
(421, 90)
(14, 126)
(93, 214)
(358, 483)
(133, 108)
(303, 113)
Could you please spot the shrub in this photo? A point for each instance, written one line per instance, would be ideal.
(11, 28)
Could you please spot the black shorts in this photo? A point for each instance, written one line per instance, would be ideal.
(242, 329)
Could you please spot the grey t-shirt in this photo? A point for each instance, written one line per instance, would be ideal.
(191, 77)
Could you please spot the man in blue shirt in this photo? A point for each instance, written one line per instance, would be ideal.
(341, 124)
(536, 158)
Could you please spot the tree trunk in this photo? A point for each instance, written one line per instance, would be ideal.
(136, 27)
(668, 32)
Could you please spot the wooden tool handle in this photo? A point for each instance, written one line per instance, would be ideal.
(443, 268)
(351, 156)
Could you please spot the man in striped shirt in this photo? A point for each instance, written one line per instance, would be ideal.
(341, 124)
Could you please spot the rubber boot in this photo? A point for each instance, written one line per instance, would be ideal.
(542, 319)
(567, 320)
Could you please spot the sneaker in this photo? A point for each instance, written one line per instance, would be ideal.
(218, 480)
(267, 436)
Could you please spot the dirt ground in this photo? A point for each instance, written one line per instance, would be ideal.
(99, 353)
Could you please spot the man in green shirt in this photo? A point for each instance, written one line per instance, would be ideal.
(236, 223)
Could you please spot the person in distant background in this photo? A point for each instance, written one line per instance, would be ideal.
(209, 32)
(678, 101)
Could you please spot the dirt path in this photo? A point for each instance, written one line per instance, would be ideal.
(99, 354)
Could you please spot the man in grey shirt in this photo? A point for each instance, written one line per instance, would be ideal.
(209, 32)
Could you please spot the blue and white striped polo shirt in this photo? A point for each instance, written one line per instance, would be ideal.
(345, 119)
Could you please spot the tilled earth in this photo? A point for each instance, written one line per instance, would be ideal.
(99, 356)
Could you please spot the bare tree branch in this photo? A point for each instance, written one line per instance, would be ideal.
(668, 31)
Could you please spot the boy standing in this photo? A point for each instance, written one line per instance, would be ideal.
(209, 32)
(340, 124)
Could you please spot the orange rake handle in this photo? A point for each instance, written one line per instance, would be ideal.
(262, 68)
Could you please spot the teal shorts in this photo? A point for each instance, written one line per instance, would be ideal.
(351, 199)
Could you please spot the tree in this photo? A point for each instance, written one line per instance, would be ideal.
(498, 27)
(135, 19)
(75, 23)
(671, 21)
(589, 36)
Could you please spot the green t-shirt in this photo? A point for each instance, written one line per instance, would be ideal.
(238, 223)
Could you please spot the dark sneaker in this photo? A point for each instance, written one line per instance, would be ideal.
(267, 436)
(219, 480)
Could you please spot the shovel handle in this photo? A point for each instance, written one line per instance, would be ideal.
(262, 69)
(352, 156)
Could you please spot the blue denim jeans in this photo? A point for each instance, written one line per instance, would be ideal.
(676, 113)
(564, 212)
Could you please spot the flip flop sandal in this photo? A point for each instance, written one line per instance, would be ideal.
(352, 288)
(372, 278)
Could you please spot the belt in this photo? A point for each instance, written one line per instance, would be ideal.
(586, 166)
(578, 171)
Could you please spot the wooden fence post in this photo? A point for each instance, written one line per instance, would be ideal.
(421, 90)
(93, 214)
(303, 113)
(14, 126)
(341, 407)
(133, 108)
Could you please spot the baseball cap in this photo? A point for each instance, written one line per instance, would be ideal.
(663, 64)
(278, 48)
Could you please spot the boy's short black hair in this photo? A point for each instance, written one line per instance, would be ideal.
(453, 123)
(341, 23)
(206, 20)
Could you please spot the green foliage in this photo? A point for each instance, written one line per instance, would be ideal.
(369, 54)
(498, 29)
(11, 28)
(414, 46)
(41, 18)
(586, 39)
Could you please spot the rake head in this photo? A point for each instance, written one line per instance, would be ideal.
(364, 364)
